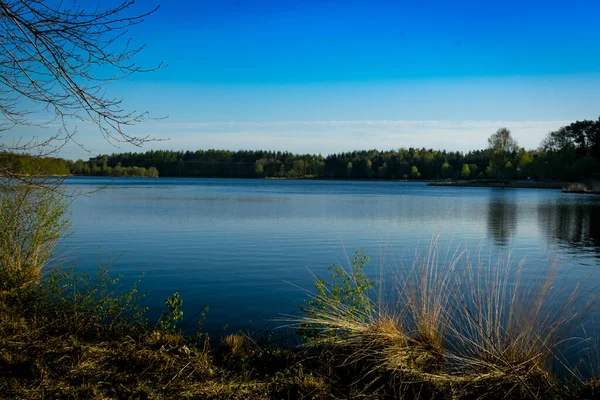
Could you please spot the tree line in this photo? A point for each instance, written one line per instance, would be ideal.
(17, 165)
(569, 153)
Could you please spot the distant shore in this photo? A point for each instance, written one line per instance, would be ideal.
(505, 184)
(566, 187)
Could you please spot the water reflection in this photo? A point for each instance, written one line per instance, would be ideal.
(574, 224)
(224, 243)
(501, 216)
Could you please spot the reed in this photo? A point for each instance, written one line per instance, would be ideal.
(462, 325)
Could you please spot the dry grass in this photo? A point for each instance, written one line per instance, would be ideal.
(462, 327)
(40, 358)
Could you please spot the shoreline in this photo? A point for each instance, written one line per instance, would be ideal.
(511, 184)
(565, 187)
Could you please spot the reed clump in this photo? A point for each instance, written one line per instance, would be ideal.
(458, 327)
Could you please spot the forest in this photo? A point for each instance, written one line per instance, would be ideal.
(571, 153)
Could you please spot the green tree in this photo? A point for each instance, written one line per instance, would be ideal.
(259, 169)
(501, 146)
(415, 174)
(508, 172)
(474, 170)
(368, 168)
(465, 171)
(447, 170)
(349, 169)
(524, 164)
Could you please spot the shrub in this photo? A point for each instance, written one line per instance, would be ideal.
(347, 294)
(172, 315)
(32, 220)
(93, 304)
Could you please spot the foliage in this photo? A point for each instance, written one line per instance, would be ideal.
(32, 220)
(27, 165)
(502, 142)
(348, 290)
(98, 166)
(447, 170)
(562, 156)
(465, 171)
(414, 173)
(91, 302)
(172, 315)
(502, 147)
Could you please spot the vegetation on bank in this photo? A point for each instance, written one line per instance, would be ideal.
(78, 336)
(24, 165)
(571, 153)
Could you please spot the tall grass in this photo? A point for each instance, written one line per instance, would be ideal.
(462, 325)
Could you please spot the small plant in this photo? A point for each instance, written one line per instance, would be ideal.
(172, 315)
(89, 302)
(199, 334)
(347, 293)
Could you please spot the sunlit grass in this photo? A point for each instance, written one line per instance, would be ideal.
(462, 323)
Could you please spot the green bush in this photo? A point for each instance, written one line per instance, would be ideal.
(347, 295)
(32, 220)
(90, 303)
(172, 315)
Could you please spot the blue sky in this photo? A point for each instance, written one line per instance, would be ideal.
(329, 76)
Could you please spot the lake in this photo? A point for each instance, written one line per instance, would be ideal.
(249, 248)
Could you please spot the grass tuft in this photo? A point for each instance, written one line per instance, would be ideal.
(462, 326)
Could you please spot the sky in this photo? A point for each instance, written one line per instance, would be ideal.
(341, 75)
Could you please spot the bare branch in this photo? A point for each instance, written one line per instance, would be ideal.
(59, 58)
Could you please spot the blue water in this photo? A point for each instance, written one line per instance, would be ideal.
(249, 248)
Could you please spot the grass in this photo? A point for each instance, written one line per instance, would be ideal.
(90, 342)
(463, 327)
(459, 327)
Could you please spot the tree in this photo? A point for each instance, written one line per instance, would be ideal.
(368, 166)
(56, 59)
(473, 169)
(524, 164)
(447, 170)
(465, 172)
(259, 168)
(415, 174)
(59, 57)
(557, 141)
(508, 171)
(502, 142)
(501, 146)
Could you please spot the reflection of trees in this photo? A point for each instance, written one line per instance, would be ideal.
(501, 217)
(573, 224)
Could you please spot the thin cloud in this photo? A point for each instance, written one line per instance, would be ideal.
(330, 136)
(321, 136)
(439, 123)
